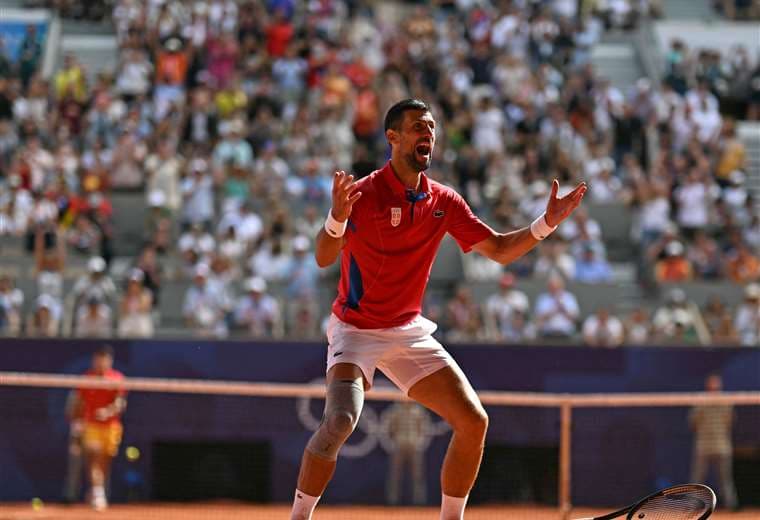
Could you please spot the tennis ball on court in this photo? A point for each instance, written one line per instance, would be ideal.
(37, 504)
(132, 453)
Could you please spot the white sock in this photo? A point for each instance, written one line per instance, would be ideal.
(303, 506)
(452, 508)
(98, 492)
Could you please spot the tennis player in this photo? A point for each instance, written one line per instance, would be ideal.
(387, 228)
(101, 412)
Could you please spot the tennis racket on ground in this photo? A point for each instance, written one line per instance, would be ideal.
(684, 502)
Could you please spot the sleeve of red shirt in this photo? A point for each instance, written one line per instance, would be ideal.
(464, 226)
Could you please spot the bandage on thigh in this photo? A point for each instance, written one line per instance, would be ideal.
(343, 405)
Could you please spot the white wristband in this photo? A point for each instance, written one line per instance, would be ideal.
(334, 228)
(540, 229)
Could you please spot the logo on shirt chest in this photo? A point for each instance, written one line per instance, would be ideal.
(395, 216)
(438, 213)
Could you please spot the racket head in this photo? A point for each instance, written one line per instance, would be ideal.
(684, 502)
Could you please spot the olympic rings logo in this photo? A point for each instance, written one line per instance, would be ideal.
(373, 427)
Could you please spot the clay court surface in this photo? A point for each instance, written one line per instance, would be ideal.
(244, 512)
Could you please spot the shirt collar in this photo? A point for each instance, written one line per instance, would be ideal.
(398, 188)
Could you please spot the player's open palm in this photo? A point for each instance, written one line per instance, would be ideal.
(344, 195)
(559, 208)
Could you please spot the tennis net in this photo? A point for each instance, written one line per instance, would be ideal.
(221, 449)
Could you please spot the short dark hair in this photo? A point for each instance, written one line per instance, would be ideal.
(395, 114)
(105, 350)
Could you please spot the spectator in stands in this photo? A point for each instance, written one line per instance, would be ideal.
(715, 312)
(742, 266)
(44, 320)
(84, 236)
(694, 200)
(30, 54)
(580, 221)
(554, 259)
(135, 318)
(148, 264)
(158, 225)
(638, 327)
(653, 198)
(705, 255)
(163, 174)
(591, 267)
(713, 445)
(674, 267)
(205, 308)
(463, 317)
(731, 153)
(93, 319)
(197, 190)
(679, 321)
(258, 311)
(95, 284)
(557, 311)
(129, 154)
(735, 196)
(197, 239)
(501, 306)
(50, 259)
(738, 9)
(133, 76)
(747, 319)
(607, 188)
(11, 304)
(232, 148)
(271, 261)
(603, 329)
(725, 333)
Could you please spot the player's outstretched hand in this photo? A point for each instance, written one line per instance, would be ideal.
(344, 195)
(558, 209)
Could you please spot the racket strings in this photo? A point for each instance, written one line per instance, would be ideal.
(686, 504)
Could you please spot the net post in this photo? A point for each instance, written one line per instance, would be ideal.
(566, 423)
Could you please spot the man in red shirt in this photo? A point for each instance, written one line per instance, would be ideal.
(387, 228)
(100, 411)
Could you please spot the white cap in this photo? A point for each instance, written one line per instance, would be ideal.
(674, 248)
(256, 284)
(201, 270)
(539, 187)
(737, 177)
(198, 165)
(96, 265)
(156, 199)
(752, 291)
(301, 243)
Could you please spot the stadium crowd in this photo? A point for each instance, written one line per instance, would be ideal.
(230, 117)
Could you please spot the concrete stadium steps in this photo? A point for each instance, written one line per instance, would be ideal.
(749, 132)
(689, 10)
(129, 216)
(616, 58)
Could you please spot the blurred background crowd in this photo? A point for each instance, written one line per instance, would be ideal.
(223, 120)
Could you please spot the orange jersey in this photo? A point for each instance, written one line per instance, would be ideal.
(94, 398)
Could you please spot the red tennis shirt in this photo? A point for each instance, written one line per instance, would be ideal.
(94, 398)
(392, 238)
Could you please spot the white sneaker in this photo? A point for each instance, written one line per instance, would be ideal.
(99, 502)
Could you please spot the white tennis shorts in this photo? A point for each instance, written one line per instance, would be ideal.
(405, 354)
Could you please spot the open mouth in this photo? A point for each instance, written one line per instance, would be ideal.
(423, 150)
